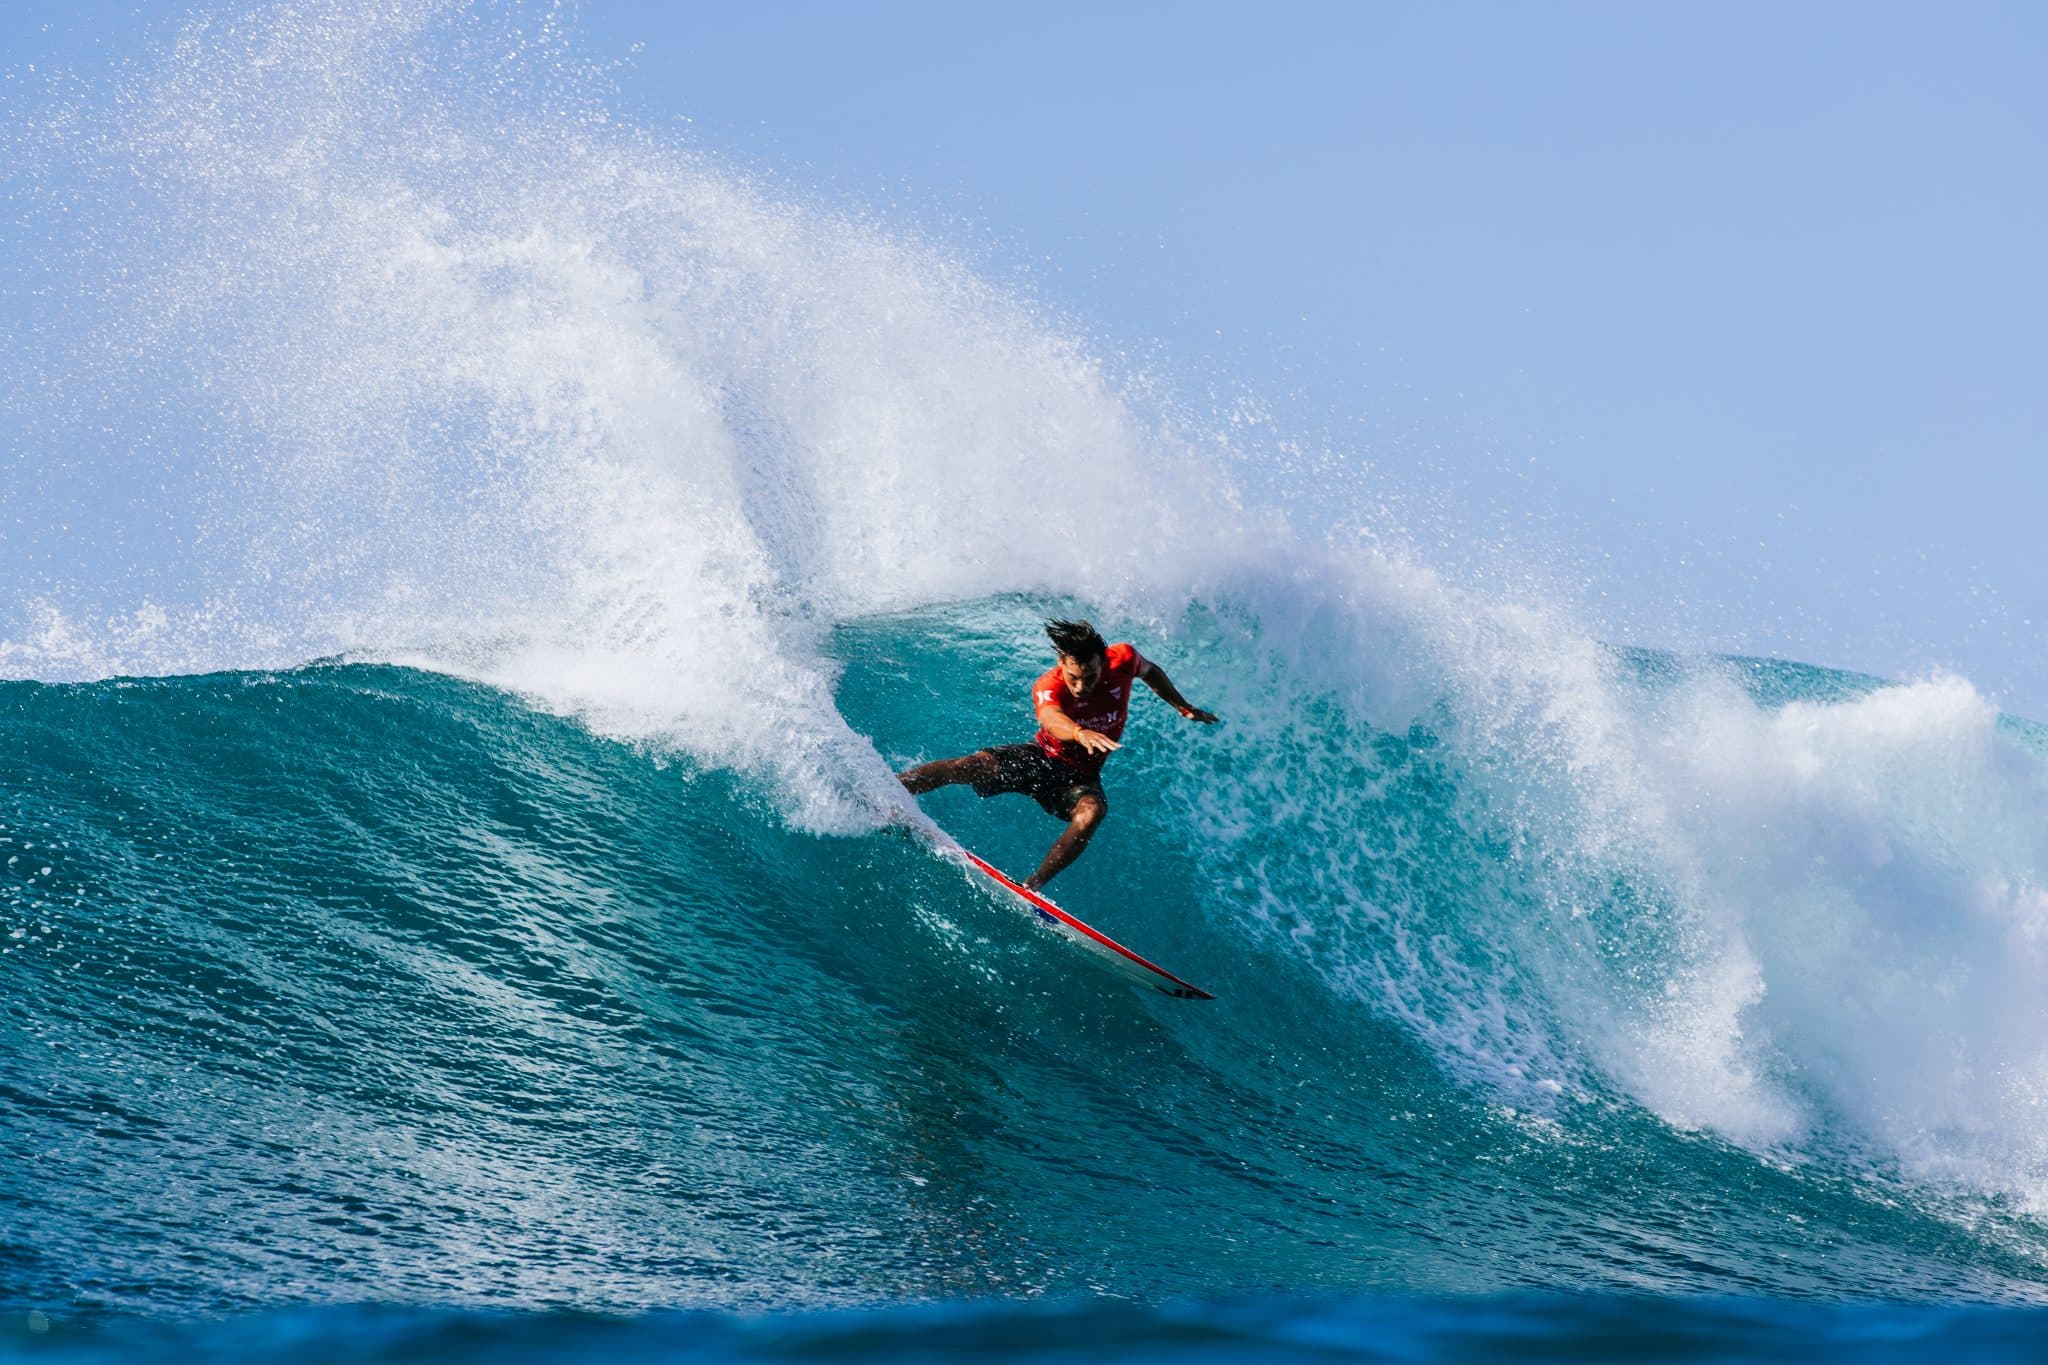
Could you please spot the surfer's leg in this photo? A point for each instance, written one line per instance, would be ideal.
(1088, 813)
(979, 766)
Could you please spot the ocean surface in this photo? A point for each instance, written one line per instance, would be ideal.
(472, 568)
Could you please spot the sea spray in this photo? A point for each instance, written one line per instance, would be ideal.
(461, 371)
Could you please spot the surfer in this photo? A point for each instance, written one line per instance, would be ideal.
(1082, 703)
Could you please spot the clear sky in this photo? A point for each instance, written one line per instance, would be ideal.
(1740, 309)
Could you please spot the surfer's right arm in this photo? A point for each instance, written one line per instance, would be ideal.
(1061, 726)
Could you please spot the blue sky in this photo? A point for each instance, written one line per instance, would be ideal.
(1739, 312)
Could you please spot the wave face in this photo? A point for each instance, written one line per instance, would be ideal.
(363, 982)
(543, 943)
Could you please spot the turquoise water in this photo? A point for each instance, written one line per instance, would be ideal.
(356, 983)
(477, 565)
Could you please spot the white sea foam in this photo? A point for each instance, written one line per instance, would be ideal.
(521, 393)
(430, 360)
(1808, 927)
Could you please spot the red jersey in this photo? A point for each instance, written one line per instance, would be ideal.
(1103, 710)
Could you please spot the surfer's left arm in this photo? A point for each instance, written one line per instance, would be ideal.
(1154, 677)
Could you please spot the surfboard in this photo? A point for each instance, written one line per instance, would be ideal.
(1100, 948)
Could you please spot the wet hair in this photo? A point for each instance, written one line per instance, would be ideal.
(1076, 639)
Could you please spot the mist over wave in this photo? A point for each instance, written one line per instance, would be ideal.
(473, 371)
(396, 344)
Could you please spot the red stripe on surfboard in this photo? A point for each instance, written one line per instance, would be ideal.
(1041, 903)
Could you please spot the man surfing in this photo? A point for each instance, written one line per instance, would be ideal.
(1082, 703)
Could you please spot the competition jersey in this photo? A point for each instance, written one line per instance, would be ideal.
(1103, 710)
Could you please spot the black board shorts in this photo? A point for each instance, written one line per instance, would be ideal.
(1028, 770)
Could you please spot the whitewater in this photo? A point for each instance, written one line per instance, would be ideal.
(473, 566)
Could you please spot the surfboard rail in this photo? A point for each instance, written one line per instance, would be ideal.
(1104, 948)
